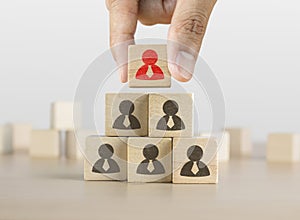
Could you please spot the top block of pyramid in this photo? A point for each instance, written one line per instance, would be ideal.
(148, 66)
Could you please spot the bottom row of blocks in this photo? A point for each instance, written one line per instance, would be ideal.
(138, 159)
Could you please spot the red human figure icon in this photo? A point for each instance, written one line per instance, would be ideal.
(149, 57)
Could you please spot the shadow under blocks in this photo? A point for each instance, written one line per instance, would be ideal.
(149, 136)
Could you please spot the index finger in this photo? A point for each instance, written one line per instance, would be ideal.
(123, 21)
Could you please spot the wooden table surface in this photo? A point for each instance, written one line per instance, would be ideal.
(54, 189)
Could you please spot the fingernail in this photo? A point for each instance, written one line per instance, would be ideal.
(186, 64)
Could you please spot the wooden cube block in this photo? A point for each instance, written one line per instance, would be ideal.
(73, 148)
(5, 139)
(148, 66)
(21, 136)
(195, 160)
(62, 116)
(149, 159)
(283, 147)
(44, 144)
(106, 158)
(223, 146)
(240, 142)
(171, 115)
(126, 114)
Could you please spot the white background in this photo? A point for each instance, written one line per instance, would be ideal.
(252, 46)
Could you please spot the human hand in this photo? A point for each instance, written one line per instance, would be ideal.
(188, 19)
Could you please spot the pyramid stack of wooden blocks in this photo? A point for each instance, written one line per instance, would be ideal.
(149, 137)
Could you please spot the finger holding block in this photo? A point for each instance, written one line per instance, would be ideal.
(171, 115)
(148, 66)
(195, 160)
(105, 158)
(149, 159)
(126, 114)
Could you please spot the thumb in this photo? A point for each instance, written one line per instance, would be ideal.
(185, 36)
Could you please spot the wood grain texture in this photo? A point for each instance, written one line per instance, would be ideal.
(62, 116)
(135, 62)
(240, 142)
(283, 147)
(119, 146)
(44, 144)
(180, 158)
(185, 113)
(112, 113)
(21, 136)
(136, 156)
(54, 189)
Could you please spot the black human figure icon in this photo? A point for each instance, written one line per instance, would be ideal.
(150, 152)
(126, 108)
(170, 108)
(105, 152)
(195, 153)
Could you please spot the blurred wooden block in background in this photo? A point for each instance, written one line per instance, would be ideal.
(44, 144)
(5, 139)
(126, 114)
(106, 158)
(21, 136)
(283, 147)
(73, 148)
(62, 116)
(223, 146)
(171, 115)
(195, 160)
(240, 142)
(148, 66)
(149, 159)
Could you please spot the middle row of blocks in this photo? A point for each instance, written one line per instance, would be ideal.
(143, 159)
(153, 115)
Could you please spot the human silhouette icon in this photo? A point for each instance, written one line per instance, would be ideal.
(150, 166)
(195, 167)
(126, 120)
(149, 58)
(170, 121)
(106, 164)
